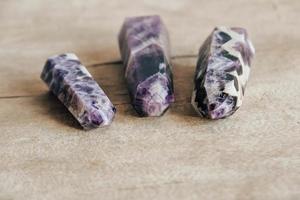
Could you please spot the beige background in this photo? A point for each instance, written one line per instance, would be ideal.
(255, 154)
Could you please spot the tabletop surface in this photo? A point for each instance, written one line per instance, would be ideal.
(254, 154)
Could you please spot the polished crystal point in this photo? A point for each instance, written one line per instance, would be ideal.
(74, 86)
(144, 47)
(222, 72)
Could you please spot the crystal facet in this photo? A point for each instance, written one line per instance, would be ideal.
(222, 72)
(144, 47)
(74, 86)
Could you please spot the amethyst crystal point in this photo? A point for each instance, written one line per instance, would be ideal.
(70, 81)
(144, 47)
(222, 72)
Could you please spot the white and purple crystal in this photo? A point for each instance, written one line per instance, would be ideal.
(145, 51)
(222, 72)
(74, 86)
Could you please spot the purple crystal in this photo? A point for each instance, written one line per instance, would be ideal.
(222, 72)
(74, 86)
(144, 47)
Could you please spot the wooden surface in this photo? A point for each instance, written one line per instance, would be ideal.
(255, 154)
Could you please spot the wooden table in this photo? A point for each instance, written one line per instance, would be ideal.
(255, 154)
